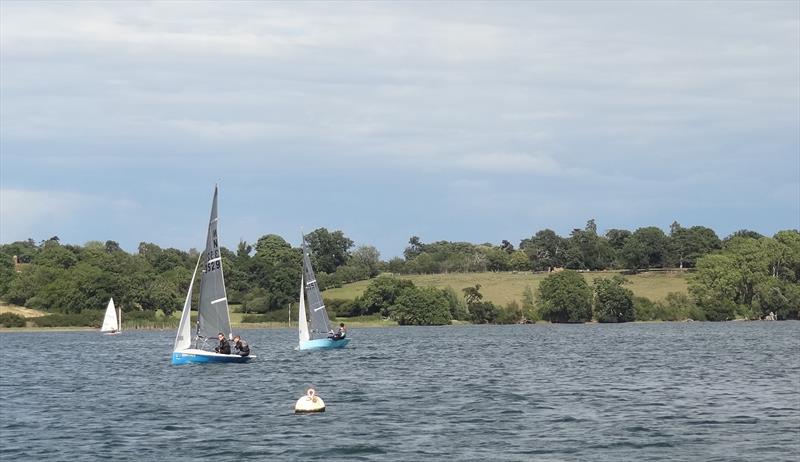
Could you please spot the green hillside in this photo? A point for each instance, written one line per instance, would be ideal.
(504, 287)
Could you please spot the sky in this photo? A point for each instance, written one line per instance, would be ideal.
(461, 121)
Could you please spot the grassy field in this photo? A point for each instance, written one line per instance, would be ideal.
(501, 288)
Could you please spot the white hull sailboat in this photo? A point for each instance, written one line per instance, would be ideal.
(317, 335)
(213, 315)
(112, 321)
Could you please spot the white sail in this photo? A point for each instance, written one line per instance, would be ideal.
(302, 323)
(183, 340)
(110, 319)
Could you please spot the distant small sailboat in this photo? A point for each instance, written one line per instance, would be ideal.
(213, 315)
(317, 337)
(112, 322)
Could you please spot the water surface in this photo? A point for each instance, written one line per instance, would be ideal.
(661, 391)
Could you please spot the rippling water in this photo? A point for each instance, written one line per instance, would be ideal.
(662, 391)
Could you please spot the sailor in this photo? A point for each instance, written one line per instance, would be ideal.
(341, 333)
(240, 347)
(224, 347)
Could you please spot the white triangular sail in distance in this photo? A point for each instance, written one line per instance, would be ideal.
(110, 320)
(302, 323)
(183, 340)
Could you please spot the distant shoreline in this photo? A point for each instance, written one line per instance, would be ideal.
(357, 325)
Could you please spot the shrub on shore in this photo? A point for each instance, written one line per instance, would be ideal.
(12, 320)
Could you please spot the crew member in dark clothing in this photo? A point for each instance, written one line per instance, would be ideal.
(224, 347)
(342, 333)
(240, 347)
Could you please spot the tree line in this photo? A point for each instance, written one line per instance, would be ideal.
(745, 274)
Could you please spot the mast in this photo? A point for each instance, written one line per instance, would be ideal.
(213, 312)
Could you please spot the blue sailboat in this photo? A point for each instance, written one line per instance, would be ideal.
(213, 315)
(315, 335)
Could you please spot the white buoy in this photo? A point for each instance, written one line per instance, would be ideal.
(310, 402)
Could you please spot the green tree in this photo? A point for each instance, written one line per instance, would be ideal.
(686, 245)
(458, 309)
(546, 250)
(646, 248)
(497, 259)
(329, 250)
(483, 312)
(415, 247)
(368, 258)
(519, 261)
(529, 305)
(565, 297)
(7, 273)
(276, 268)
(421, 306)
(587, 250)
(612, 302)
(744, 233)
(382, 293)
(472, 294)
(54, 255)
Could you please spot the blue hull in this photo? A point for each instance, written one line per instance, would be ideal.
(200, 356)
(323, 344)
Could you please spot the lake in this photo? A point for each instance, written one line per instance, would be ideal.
(660, 391)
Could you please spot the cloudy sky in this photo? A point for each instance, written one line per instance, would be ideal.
(458, 121)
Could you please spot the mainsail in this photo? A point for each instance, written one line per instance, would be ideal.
(320, 324)
(302, 322)
(213, 316)
(110, 320)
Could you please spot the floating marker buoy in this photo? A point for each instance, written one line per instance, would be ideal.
(309, 403)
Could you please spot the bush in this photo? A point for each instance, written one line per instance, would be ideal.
(12, 320)
(511, 314)
(565, 297)
(612, 302)
(644, 309)
(720, 310)
(483, 312)
(421, 306)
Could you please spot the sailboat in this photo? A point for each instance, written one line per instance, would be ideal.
(112, 322)
(213, 315)
(315, 338)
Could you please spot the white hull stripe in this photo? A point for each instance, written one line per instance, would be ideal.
(218, 300)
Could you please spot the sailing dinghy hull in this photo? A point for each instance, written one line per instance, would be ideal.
(323, 344)
(202, 356)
